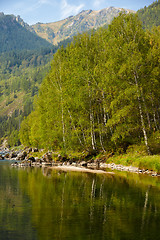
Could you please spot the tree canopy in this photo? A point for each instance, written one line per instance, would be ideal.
(101, 92)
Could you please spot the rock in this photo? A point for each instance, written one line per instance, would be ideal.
(32, 159)
(47, 157)
(74, 164)
(83, 164)
(35, 150)
(103, 165)
(13, 155)
(1, 157)
(90, 161)
(22, 155)
(6, 155)
(97, 163)
(62, 158)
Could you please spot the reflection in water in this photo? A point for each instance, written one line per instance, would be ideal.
(15, 208)
(49, 204)
(145, 208)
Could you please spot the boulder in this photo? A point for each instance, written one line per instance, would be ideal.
(32, 159)
(13, 155)
(21, 155)
(83, 164)
(1, 157)
(6, 155)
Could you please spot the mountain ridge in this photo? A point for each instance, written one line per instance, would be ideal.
(55, 32)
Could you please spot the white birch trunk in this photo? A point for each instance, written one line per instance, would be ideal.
(148, 119)
(141, 116)
(100, 135)
(105, 114)
(75, 128)
(154, 115)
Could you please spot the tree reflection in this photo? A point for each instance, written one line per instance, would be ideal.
(72, 205)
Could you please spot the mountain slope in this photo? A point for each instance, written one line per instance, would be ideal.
(150, 16)
(16, 36)
(84, 21)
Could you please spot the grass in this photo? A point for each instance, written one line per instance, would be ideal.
(142, 162)
(137, 156)
(14, 104)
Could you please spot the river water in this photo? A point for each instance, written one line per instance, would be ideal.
(45, 204)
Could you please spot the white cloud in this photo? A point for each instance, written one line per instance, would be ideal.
(68, 9)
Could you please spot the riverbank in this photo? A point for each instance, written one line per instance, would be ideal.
(135, 160)
(141, 163)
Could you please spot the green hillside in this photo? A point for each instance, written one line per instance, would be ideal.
(13, 36)
(150, 16)
(21, 73)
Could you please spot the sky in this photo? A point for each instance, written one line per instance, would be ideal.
(45, 11)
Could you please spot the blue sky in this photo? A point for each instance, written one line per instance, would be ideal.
(45, 11)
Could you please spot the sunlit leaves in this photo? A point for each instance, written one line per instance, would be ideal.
(101, 89)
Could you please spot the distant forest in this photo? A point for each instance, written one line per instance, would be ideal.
(150, 16)
(21, 73)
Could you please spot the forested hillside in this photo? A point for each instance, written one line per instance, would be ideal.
(13, 36)
(21, 73)
(150, 16)
(20, 76)
(102, 92)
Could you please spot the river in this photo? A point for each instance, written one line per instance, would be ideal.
(45, 204)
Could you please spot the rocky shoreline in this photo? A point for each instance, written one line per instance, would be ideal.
(24, 158)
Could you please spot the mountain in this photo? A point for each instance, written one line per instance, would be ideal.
(15, 35)
(150, 16)
(69, 27)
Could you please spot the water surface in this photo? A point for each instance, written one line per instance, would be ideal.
(45, 204)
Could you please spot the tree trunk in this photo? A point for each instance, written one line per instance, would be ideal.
(75, 128)
(105, 114)
(148, 119)
(141, 116)
(100, 134)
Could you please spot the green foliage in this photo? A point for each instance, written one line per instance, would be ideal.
(101, 92)
(154, 142)
(150, 16)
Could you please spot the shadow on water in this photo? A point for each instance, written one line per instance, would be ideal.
(44, 204)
